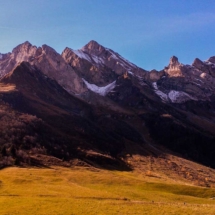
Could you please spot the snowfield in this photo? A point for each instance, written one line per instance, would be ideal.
(103, 91)
(173, 96)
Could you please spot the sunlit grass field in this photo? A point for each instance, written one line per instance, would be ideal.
(71, 191)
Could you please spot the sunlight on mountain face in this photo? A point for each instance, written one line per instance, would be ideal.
(7, 87)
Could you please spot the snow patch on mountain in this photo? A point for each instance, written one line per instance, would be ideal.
(199, 80)
(103, 91)
(82, 55)
(113, 54)
(162, 95)
(92, 59)
(155, 86)
(131, 73)
(97, 60)
(209, 63)
(179, 97)
(131, 64)
(121, 60)
(173, 95)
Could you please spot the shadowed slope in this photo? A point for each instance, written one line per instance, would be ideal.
(71, 128)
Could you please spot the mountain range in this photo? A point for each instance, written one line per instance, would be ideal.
(93, 107)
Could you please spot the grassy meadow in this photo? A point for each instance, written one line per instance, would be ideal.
(73, 191)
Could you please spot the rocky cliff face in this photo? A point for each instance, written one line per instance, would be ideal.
(48, 61)
(177, 83)
(181, 83)
(99, 65)
(98, 69)
(89, 67)
(175, 69)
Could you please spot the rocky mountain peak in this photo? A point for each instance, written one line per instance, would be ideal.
(93, 48)
(26, 51)
(48, 49)
(48, 61)
(92, 45)
(198, 63)
(27, 43)
(212, 59)
(23, 52)
(24, 47)
(174, 61)
(207, 66)
(175, 67)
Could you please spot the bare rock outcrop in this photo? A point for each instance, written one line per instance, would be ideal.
(182, 83)
(174, 69)
(48, 61)
(99, 65)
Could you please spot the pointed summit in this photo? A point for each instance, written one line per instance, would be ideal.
(212, 59)
(27, 43)
(93, 47)
(175, 67)
(49, 50)
(174, 61)
(22, 47)
(198, 63)
(93, 42)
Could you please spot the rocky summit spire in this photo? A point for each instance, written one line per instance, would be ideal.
(92, 45)
(93, 48)
(175, 67)
(174, 61)
(24, 47)
(198, 63)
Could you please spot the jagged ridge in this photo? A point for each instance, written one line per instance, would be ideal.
(123, 105)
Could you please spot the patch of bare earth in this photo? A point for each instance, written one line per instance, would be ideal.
(170, 167)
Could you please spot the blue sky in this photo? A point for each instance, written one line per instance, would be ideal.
(147, 33)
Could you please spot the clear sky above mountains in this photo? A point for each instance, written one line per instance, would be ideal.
(147, 33)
